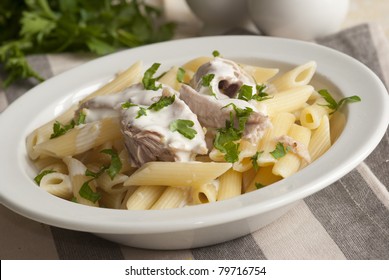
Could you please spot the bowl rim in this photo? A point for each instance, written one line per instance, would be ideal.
(349, 75)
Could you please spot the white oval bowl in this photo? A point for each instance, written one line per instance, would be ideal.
(202, 225)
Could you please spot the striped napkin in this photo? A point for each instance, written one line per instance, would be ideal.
(347, 220)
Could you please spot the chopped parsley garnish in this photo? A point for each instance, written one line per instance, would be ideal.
(184, 127)
(246, 93)
(216, 53)
(95, 175)
(60, 129)
(141, 112)
(81, 118)
(280, 151)
(39, 177)
(115, 165)
(259, 185)
(206, 82)
(148, 80)
(162, 102)
(87, 192)
(254, 160)
(128, 104)
(180, 75)
(331, 102)
(226, 138)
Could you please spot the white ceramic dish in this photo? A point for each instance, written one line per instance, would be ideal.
(196, 225)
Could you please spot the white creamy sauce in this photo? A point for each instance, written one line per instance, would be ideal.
(156, 121)
(224, 69)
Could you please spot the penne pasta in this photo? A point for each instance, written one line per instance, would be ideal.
(263, 178)
(177, 173)
(57, 184)
(206, 193)
(230, 185)
(81, 139)
(144, 197)
(299, 76)
(172, 197)
(260, 74)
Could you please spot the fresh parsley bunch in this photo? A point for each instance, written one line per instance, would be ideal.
(53, 26)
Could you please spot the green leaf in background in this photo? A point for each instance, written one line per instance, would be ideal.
(52, 26)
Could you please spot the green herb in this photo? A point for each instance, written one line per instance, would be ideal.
(226, 138)
(116, 164)
(183, 127)
(127, 105)
(74, 199)
(216, 53)
(259, 185)
(164, 101)
(39, 177)
(246, 93)
(331, 102)
(87, 192)
(180, 75)
(141, 112)
(206, 82)
(148, 80)
(254, 160)
(60, 129)
(261, 94)
(101, 27)
(81, 118)
(280, 151)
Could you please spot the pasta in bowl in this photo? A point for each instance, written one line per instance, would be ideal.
(210, 130)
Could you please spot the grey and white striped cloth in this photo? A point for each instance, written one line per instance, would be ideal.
(347, 220)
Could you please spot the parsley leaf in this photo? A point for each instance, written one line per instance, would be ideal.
(246, 93)
(254, 160)
(148, 80)
(226, 138)
(60, 129)
(141, 112)
(127, 105)
(87, 192)
(206, 82)
(180, 75)
(331, 102)
(216, 53)
(164, 101)
(101, 27)
(115, 165)
(81, 118)
(39, 177)
(183, 127)
(259, 185)
(280, 151)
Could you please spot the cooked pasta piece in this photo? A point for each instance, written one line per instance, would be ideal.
(125, 79)
(320, 140)
(263, 178)
(170, 78)
(110, 185)
(204, 194)
(281, 125)
(57, 184)
(298, 76)
(144, 197)
(177, 173)
(172, 197)
(290, 163)
(311, 116)
(288, 100)
(84, 189)
(260, 74)
(81, 138)
(112, 200)
(230, 185)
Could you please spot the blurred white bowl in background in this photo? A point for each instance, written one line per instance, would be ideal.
(298, 19)
(219, 16)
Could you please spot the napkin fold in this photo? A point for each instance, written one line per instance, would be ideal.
(347, 220)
